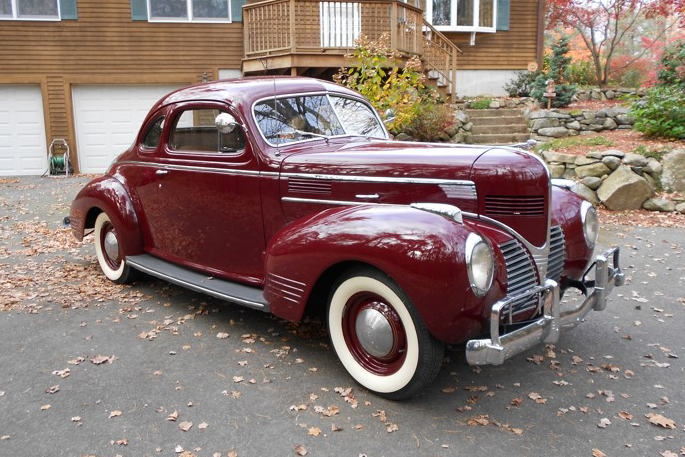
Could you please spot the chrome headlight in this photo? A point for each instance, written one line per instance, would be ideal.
(588, 215)
(480, 264)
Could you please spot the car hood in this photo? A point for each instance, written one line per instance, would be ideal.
(386, 159)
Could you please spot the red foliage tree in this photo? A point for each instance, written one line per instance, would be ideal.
(603, 24)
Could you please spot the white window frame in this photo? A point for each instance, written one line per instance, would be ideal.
(189, 15)
(453, 27)
(15, 16)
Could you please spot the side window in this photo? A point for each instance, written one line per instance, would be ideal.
(153, 134)
(195, 131)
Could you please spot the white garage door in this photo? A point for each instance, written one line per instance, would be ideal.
(22, 131)
(107, 119)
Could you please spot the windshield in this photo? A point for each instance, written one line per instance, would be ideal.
(307, 117)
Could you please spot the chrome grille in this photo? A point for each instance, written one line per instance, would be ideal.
(520, 206)
(557, 254)
(520, 277)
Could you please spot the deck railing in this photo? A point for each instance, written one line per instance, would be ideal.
(280, 27)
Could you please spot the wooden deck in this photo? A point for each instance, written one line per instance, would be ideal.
(313, 36)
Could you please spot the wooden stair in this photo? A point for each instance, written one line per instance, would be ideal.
(498, 126)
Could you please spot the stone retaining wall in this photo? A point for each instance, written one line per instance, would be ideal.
(622, 180)
(595, 93)
(548, 124)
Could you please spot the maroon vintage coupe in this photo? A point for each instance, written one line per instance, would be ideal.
(287, 195)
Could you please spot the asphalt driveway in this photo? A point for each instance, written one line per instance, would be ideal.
(88, 367)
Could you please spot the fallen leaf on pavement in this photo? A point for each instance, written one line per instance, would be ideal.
(661, 421)
(185, 425)
(114, 414)
(300, 450)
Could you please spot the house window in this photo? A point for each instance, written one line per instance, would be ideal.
(462, 15)
(29, 9)
(189, 10)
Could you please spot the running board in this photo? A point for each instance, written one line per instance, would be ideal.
(241, 294)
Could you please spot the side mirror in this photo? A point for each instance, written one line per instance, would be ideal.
(225, 123)
(389, 116)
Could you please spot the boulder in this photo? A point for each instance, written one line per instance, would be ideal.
(494, 104)
(451, 130)
(403, 137)
(595, 169)
(570, 173)
(635, 160)
(544, 123)
(592, 182)
(609, 124)
(551, 156)
(653, 166)
(468, 126)
(595, 94)
(442, 136)
(659, 204)
(623, 189)
(680, 207)
(542, 114)
(594, 155)
(673, 174)
(554, 132)
(557, 170)
(625, 119)
(461, 117)
(573, 125)
(589, 115)
(458, 138)
(583, 160)
(583, 97)
(613, 153)
(587, 193)
(610, 94)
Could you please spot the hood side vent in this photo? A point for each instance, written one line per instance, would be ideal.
(309, 186)
(518, 206)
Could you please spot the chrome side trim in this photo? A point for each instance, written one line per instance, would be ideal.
(195, 287)
(326, 202)
(381, 179)
(226, 171)
(496, 349)
(447, 211)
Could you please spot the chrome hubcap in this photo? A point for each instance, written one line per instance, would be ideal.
(111, 245)
(374, 332)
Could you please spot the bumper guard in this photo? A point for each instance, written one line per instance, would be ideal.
(498, 348)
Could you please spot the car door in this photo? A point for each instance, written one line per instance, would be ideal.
(207, 213)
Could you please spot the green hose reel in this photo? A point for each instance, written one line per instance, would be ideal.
(59, 160)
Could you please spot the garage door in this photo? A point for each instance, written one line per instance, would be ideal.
(22, 131)
(107, 119)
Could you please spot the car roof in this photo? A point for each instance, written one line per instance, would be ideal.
(245, 91)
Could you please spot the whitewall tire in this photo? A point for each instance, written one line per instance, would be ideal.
(108, 251)
(379, 337)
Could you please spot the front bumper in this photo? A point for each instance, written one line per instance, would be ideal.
(496, 349)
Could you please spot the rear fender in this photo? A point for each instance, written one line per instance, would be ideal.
(421, 251)
(109, 195)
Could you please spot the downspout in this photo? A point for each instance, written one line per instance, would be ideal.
(541, 32)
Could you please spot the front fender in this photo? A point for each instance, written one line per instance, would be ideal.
(423, 252)
(109, 195)
(566, 212)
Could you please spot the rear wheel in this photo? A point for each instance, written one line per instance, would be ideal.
(379, 337)
(108, 252)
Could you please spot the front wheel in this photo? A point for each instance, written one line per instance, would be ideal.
(108, 252)
(379, 337)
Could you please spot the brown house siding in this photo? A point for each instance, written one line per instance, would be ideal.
(509, 49)
(104, 46)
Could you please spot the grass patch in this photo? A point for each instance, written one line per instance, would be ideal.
(570, 142)
(480, 103)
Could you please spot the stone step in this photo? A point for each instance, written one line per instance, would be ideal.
(500, 138)
(477, 113)
(500, 120)
(497, 129)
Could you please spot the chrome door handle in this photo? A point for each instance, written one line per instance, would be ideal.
(368, 196)
(162, 172)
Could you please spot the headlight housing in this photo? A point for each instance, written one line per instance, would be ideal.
(588, 215)
(480, 264)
